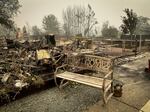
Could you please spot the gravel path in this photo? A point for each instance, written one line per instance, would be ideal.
(71, 99)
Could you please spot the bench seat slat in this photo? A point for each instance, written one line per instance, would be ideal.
(83, 79)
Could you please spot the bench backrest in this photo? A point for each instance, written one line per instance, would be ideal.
(91, 62)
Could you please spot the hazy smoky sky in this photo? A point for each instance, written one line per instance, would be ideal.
(33, 11)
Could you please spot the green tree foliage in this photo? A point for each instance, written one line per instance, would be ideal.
(143, 26)
(7, 32)
(51, 24)
(36, 31)
(129, 22)
(109, 31)
(8, 9)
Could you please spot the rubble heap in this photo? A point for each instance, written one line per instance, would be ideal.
(15, 74)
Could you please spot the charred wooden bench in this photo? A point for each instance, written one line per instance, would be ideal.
(98, 64)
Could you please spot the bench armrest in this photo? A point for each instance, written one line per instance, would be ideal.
(57, 71)
(60, 57)
(106, 76)
(59, 68)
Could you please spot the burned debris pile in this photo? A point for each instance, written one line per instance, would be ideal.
(13, 74)
(25, 64)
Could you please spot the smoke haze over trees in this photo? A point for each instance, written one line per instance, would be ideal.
(109, 31)
(51, 24)
(79, 20)
(143, 26)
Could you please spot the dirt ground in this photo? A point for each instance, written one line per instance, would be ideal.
(81, 98)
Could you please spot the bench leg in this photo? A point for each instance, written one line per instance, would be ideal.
(107, 93)
(61, 84)
(55, 80)
(104, 97)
